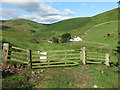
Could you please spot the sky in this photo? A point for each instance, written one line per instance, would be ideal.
(52, 11)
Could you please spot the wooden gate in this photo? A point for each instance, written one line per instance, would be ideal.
(55, 58)
(15, 54)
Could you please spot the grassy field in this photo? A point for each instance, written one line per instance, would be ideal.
(82, 77)
(99, 34)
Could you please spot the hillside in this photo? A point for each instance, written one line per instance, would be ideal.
(106, 16)
(39, 33)
(77, 26)
(25, 24)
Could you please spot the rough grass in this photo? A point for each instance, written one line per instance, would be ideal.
(17, 82)
(83, 76)
(99, 34)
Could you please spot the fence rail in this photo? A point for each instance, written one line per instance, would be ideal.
(19, 48)
(53, 58)
(14, 52)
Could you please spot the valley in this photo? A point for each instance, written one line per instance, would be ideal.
(99, 34)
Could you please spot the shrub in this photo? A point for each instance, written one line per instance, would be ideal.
(55, 40)
(65, 37)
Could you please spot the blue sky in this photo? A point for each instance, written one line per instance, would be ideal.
(85, 9)
(50, 12)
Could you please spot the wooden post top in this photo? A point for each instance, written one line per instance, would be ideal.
(6, 44)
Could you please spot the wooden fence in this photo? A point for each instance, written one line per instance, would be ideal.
(16, 54)
(57, 58)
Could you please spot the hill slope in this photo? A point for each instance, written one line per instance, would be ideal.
(39, 32)
(25, 24)
(77, 26)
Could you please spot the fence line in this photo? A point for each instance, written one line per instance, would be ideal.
(53, 58)
(19, 48)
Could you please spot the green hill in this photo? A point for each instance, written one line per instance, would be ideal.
(77, 26)
(22, 30)
(25, 24)
(106, 16)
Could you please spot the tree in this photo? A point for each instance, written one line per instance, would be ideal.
(65, 37)
(55, 40)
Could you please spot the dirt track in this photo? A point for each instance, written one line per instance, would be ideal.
(103, 44)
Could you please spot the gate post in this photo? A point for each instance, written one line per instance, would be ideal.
(107, 57)
(29, 58)
(5, 51)
(83, 56)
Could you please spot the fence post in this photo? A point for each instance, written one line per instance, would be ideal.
(107, 59)
(5, 51)
(83, 55)
(65, 56)
(29, 58)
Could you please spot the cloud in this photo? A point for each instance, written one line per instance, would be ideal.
(9, 13)
(48, 19)
(43, 12)
(68, 12)
(22, 4)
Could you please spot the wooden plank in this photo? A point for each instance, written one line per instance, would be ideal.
(95, 59)
(73, 54)
(62, 54)
(53, 62)
(56, 55)
(54, 65)
(93, 62)
(78, 50)
(19, 60)
(94, 53)
(56, 58)
(5, 51)
(83, 56)
(17, 56)
(29, 57)
(35, 52)
(19, 48)
(38, 55)
(14, 52)
(47, 59)
(48, 63)
(94, 56)
(73, 57)
(107, 57)
(60, 51)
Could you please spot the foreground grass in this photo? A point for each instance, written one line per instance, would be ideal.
(83, 76)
